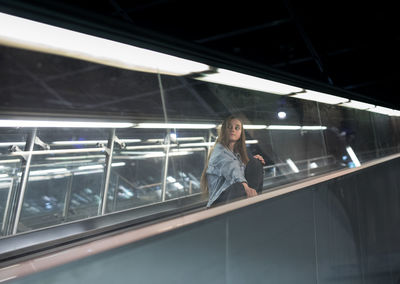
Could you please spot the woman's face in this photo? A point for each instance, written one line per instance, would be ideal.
(234, 130)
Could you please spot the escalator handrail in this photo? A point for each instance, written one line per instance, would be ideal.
(128, 236)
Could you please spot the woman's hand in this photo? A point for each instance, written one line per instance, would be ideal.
(250, 192)
(258, 157)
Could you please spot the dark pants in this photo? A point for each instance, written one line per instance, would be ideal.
(254, 176)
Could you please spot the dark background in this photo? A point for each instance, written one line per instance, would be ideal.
(349, 45)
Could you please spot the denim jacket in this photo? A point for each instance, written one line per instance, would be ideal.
(224, 169)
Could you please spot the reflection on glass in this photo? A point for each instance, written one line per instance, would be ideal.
(184, 173)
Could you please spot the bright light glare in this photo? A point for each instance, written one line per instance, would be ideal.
(395, 113)
(235, 79)
(320, 97)
(283, 127)
(281, 115)
(251, 141)
(296, 127)
(175, 125)
(383, 110)
(63, 123)
(178, 185)
(357, 105)
(254, 126)
(353, 156)
(171, 179)
(49, 171)
(92, 167)
(317, 127)
(23, 33)
(292, 165)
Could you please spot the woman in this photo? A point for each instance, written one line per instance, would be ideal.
(229, 173)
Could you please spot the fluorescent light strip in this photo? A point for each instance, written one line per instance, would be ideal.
(10, 161)
(283, 127)
(174, 125)
(149, 147)
(7, 144)
(382, 110)
(74, 157)
(46, 172)
(177, 139)
(296, 127)
(313, 127)
(353, 156)
(61, 151)
(188, 149)
(235, 79)
(206, 144)
(82, 142)
(62, 123)
(292, 165)
(320, 97)
(254, 126)
(27, 34)
(396, 113)
(93, 167)
(91, 142)
(88, 172)
(357, 105)
(251, 141)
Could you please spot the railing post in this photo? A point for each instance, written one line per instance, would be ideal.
(67, 198)
(106, 181)
(165, 169)
(18, 198)
(6, 209)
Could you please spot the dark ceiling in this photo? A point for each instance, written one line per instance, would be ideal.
(347, 45)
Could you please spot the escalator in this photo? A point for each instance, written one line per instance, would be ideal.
(341, 227)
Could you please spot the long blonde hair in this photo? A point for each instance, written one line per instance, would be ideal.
(223, 138)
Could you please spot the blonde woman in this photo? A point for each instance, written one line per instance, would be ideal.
(230, 173)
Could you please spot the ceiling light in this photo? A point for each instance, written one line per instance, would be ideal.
(395, 113)
(320, 97)
(28, 34)
(283, 127)
(383, 110)
(175, 125)
(65, 124)
(254, 126)
(235, 79)
(313, 127)
(357, 105)
(281, 115)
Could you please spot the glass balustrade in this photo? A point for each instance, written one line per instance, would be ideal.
(57, 174)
